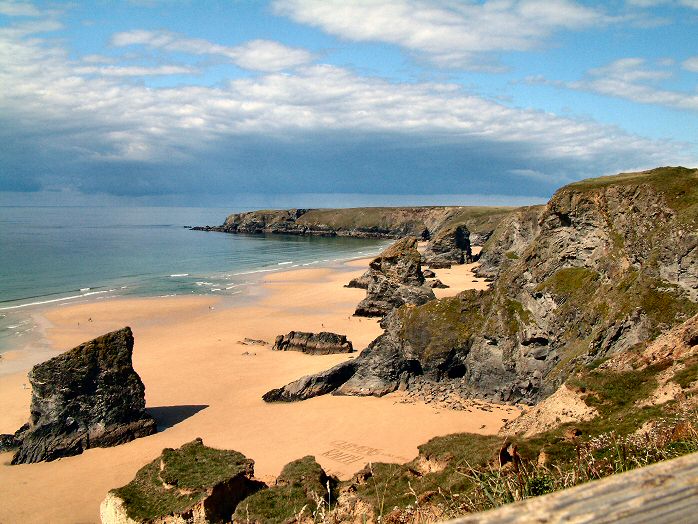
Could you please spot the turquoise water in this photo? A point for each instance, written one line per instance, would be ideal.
(55, 255)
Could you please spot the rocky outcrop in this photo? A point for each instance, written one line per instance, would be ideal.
(87, 397)
(313, 385)
(193, 484)
(394, 278)
(590, 275)
(509, 240)
(323, 343)
(449, 246)
(366, 222)
(300, 492)
(9, 442)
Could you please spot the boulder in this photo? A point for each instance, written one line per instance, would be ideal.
(87, 397)
(393, 279)
(436, 283)
(428, 273)
(323, 343)
(193, 484)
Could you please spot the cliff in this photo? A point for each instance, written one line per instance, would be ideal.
(605, 266)
(368, 222)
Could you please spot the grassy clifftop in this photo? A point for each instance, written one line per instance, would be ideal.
(379, 222)
(477, 218)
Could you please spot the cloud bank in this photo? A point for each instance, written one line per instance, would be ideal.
(293, 125)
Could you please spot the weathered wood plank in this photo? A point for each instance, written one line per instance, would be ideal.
(663, 493)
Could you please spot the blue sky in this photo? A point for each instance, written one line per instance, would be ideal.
(197, 102)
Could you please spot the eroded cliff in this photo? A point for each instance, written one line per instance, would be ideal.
(607, 264)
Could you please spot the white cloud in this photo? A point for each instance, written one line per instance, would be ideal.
(136, 70)
(629, 70)
(691, 64)
(693, 4)
(447, 32)
(18, 8)
(255, 55)
(62, 105)
(631, 79)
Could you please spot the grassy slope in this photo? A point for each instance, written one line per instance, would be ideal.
(192, 469)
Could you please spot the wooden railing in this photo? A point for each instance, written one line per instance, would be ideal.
(663, 493)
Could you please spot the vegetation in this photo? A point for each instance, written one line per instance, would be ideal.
(475, 217)
(180, 478)
(464, 473)
(678, 185)
(438, 326)
(302, 490)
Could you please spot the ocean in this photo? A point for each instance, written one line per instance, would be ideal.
(58, 255)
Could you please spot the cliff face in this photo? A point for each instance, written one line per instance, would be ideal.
(368, 222)
(606, 265)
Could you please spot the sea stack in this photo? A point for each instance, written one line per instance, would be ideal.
(87, 397)
(449, 246)
(394, 278)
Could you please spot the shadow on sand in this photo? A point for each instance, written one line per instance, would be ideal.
(168, 416)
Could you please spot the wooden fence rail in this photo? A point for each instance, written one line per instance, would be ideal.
(663, 493)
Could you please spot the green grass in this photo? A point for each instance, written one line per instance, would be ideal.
(689, 374)
(435, 328)
(570, 282)
(301, 488)
(679, 185)
(192, 469)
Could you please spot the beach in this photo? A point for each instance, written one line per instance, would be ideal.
(203, 381)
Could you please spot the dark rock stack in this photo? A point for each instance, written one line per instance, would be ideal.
(87, 397)
(193, 483)
(449, 246)
(323, 343)
(394, 278)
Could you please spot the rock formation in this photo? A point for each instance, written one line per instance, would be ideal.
(193, 484)
(449, 246)
(394, 278)
(298, 490)
(87, 397)
(606, 265)
(323, 343)
(374, 222)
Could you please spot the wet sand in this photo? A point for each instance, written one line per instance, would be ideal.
(202, 382)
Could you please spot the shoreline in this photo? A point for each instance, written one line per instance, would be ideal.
(202, 382)
(19, 327)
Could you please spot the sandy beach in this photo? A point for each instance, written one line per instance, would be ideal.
(201, 381)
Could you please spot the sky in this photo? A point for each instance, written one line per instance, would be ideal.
(197, 102)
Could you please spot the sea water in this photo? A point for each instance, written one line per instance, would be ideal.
(60, 255)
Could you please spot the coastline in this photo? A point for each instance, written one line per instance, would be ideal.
(201, 382)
